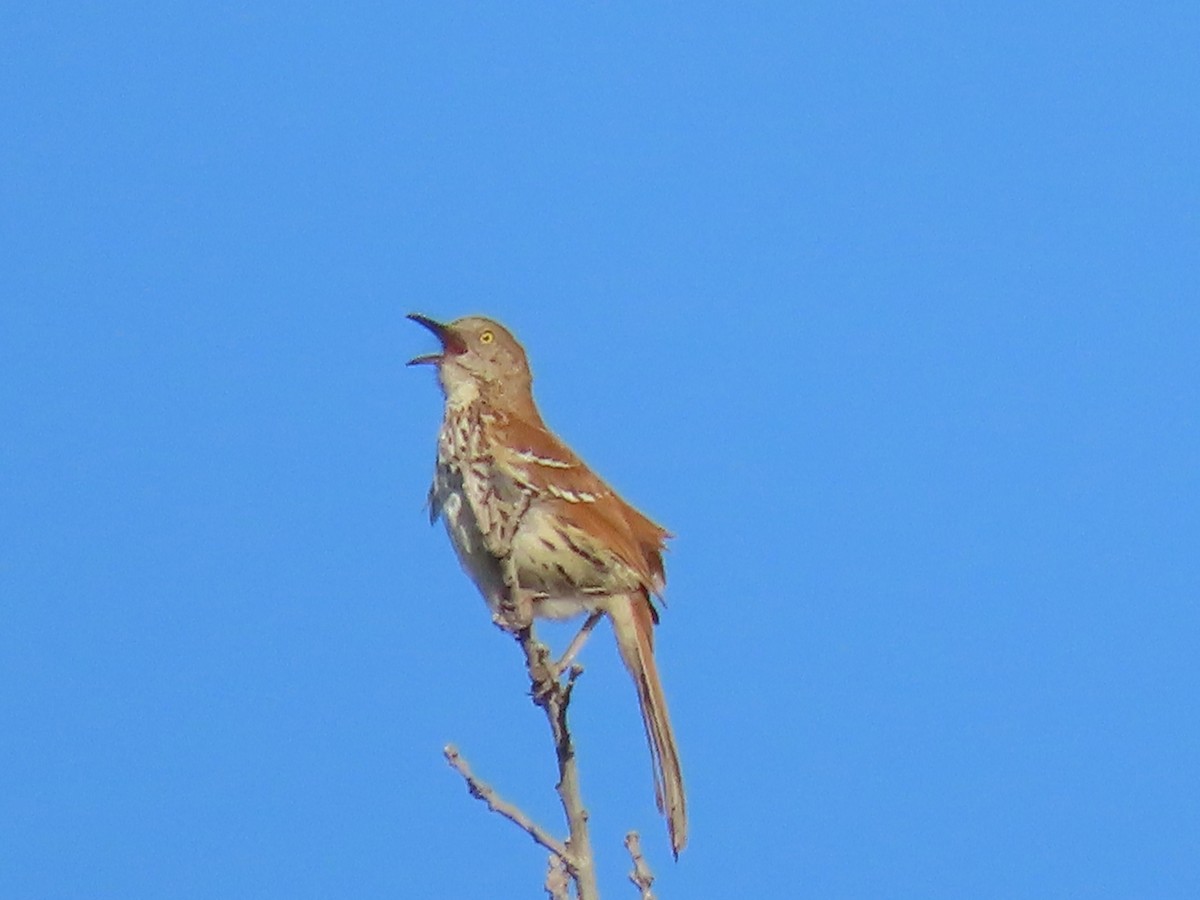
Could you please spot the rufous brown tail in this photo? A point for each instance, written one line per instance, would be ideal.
(633, 624)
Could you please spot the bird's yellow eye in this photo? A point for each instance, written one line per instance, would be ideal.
(486, 338)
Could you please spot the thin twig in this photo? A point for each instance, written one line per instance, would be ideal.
(641, 875)
(485, 792)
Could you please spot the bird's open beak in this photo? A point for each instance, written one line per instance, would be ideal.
(452, 344)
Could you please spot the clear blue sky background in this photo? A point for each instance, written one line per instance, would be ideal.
(890, 314)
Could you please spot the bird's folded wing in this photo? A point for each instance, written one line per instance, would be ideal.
(537, 459)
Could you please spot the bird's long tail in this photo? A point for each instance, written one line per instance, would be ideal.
(633, 624)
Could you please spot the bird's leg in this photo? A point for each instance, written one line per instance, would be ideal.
(514, 613)
(515, 609)
(577, 643)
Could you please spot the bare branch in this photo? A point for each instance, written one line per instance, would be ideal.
(641, 875)
(554, 697)
(485, 792)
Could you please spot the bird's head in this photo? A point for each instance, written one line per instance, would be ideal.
(478, 355)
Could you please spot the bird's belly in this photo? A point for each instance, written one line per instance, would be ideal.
(564, 568)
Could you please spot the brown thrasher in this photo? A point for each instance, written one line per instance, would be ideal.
(532, 524)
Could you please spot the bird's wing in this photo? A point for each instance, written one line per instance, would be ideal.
(536, 459)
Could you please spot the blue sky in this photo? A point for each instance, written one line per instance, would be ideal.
(890, 314)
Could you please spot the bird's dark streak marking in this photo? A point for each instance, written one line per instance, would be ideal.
(590, 557)
(513, 523)
(549, 544)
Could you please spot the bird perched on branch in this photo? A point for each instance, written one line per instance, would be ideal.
(539, 531)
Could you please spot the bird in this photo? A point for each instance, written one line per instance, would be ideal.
(531, 522)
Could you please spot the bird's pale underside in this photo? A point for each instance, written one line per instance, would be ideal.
(529, 520)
